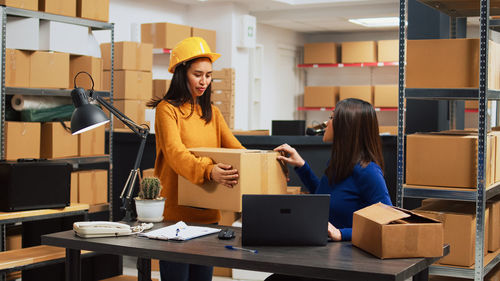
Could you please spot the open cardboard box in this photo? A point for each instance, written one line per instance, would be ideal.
(390, 232)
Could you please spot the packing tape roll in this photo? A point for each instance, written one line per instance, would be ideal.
(20, 102)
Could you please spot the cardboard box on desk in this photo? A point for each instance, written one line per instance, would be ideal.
(49, 70)
(57, 142)
(359, 92)
(91, 65)
(389, 232)
(17, 65)
(259, 173)
(22, 140)
(388, 50)
(447, 159)
(164, 34)
(317, 53)
(21, 4)
(93, 9)
(360, 51)
(449, 63)
(459, 221)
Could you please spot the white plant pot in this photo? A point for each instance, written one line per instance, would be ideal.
(149, 210)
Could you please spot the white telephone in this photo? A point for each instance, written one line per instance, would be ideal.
(89, 229)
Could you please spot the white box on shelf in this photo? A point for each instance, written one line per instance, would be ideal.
(22, 33)
(63, 37)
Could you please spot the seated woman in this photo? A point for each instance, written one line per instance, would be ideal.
(354, 176)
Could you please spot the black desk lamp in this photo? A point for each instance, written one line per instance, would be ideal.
(88, 116)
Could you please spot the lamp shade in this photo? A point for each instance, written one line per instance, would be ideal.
(86, 116)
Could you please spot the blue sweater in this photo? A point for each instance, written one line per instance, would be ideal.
(364, 187)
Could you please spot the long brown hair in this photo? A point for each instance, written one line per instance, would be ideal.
(356, 139)
(179, 93)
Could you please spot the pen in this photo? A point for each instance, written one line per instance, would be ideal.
(241, 249)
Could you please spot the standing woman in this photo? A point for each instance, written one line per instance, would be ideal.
(186, 118)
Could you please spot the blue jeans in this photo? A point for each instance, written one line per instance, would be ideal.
(174, 271)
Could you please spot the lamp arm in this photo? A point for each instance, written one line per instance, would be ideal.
(141, 131)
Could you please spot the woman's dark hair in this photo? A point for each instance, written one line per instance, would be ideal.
(356, 139)
(178, 93)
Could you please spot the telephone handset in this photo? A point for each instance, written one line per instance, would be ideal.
(89, 229)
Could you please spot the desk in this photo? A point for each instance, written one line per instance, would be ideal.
(336, 261)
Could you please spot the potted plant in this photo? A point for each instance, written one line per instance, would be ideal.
(149, 204)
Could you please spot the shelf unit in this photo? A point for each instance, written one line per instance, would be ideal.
(454, 8)
(79, 163)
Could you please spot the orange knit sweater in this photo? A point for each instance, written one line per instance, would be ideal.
(175, 133)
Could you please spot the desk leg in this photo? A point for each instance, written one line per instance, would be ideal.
(144, 269)
(422, 275)
(73, 265)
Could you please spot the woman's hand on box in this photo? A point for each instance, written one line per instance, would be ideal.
(291, 157)
(225, 175)
(334, 233)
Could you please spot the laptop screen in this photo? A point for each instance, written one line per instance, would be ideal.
(286, 220)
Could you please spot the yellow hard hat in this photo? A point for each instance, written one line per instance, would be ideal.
(190, 48)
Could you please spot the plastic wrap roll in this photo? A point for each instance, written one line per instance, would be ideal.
(20, 102)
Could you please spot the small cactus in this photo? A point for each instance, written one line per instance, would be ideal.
(150, 188)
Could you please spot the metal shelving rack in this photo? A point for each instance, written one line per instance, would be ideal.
(77, 162)
(454, 8)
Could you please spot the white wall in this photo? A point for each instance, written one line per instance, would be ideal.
(225, 18)
(275, 103)
(124, 13)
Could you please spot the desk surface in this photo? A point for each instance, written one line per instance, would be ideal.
(8, 217)
(337, 260)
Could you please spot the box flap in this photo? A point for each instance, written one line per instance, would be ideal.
(382, 214)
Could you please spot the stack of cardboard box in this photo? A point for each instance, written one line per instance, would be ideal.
(88, 9)
(133, 79)
(223, 93)
(164, 35)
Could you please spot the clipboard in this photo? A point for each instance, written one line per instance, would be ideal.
(179, 232)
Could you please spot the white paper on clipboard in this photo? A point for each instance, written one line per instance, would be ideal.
(179, 231)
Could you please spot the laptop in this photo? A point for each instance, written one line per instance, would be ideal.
(285, 220)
